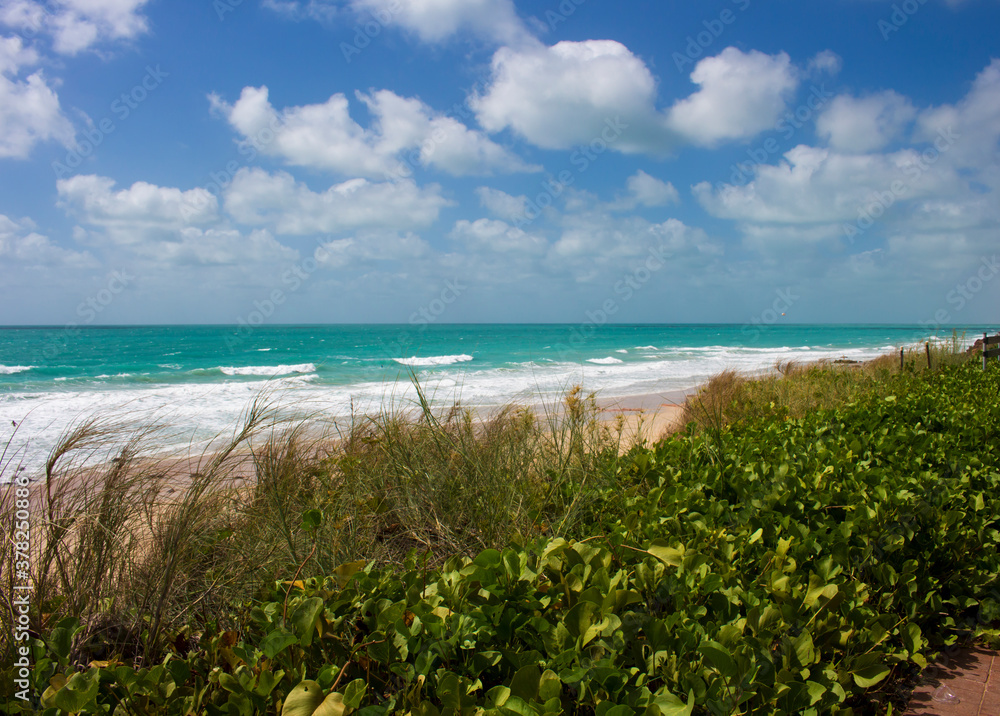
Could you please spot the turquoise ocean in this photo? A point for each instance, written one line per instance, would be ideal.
(197, 380)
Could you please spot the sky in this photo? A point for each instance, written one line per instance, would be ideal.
(340, 161)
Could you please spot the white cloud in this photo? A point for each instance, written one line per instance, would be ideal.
(496, 236)
(14, 55)
(741, 95)
(77, 25)
(320, 10)
(819, 185)
(257, 198)
(646, 190)
(437, 20)
(825, 62)
(29, 108)
(591, 241)
(568, 94)
(164, 226)
(501, 204)
(865, 124)
(974, 121)
(130, 215)
(431, 21)
(21, 244)
(196, 246)
(575, 92)
(372, 246)
(405, 133)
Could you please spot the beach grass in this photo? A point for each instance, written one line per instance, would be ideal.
(830, 518)
(140, 547)
(794, 389)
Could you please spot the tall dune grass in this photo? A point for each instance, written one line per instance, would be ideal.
(143, 548)
(793, 389)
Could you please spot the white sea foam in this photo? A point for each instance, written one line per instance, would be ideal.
(11, 369)
(621, 350)
(605, 361)
(434, 360)
(271, 370)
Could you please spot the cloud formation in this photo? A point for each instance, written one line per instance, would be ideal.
(566, 95)
(77, 25)
(29, 108)
(405, 134)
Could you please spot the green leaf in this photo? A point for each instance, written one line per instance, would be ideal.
(670, 705)
(80, 689)
(524, 685)
(304, 619)
(60, 640)
(333, 705)
(805, 651)
(580, 617)
(719, 657)
(868, 676)
(672, 556)
(311, 520)
(549, 686)
(303, 700)
(354, 693)
(276, 642)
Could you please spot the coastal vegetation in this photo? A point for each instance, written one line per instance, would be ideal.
(807, 544)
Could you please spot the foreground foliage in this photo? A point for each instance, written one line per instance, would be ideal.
(776, 566)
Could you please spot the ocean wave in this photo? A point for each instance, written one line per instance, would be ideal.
(621, 350)
(605, 361)
(646, 348)
(11, 369)
(269, 369)
(434, 360)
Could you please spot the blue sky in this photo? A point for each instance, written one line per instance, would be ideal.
(335, 161)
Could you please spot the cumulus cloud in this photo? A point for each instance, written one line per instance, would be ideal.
(497, 236)
(77, 25)
(560, 96)
(741, 94)
(645, 190)
(165, 226)
(372, 246)
(816, 185)
(974, 121)
(432, 21)
(937, 187)
(573, 92)
(825, 62)
(501, 204)
(196, 246)
(21, 244)
(256, 197)
(405, 133)
(852, 124)
(29, 108)
(130, 214)
(438, 20)
(593, 243)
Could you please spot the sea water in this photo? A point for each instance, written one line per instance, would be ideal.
(198, 380)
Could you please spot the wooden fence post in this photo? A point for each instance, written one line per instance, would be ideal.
(927, 347)
(990, 352)
(901, 358)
